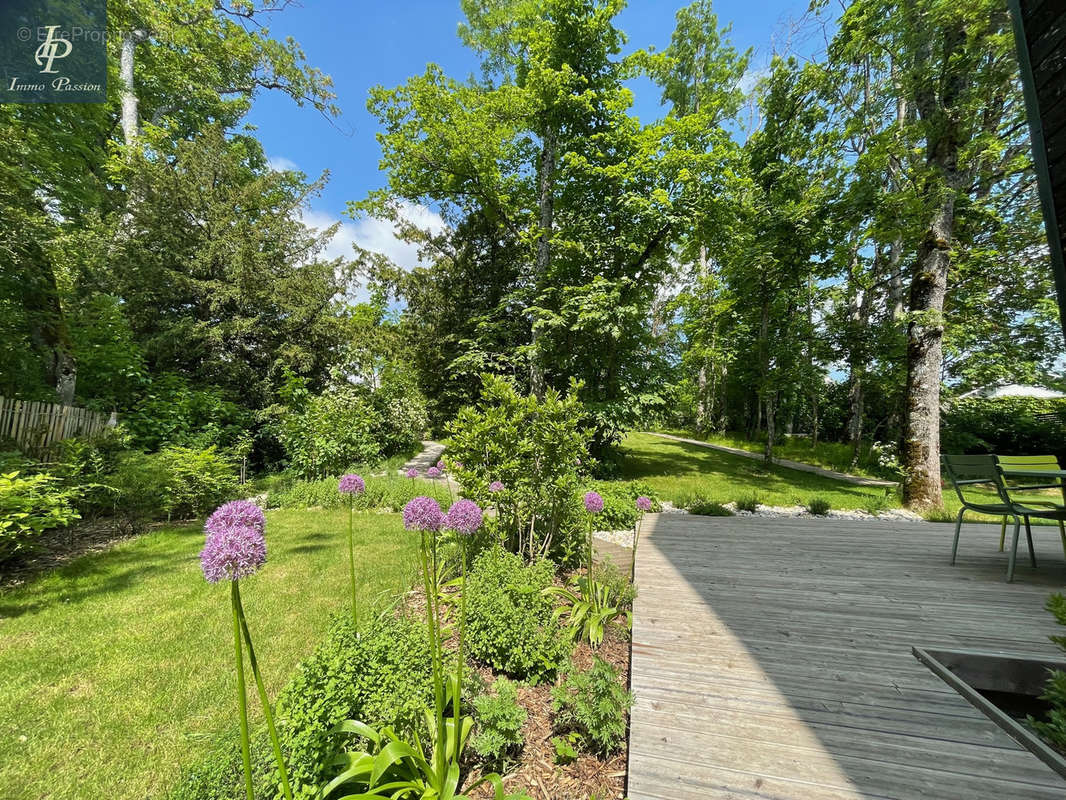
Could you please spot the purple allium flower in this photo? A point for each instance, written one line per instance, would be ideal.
(440, 464)
(593, 502)
(433, 472)
(464, 517)
(412, 473)
(496, 486)
(643, 503)
(423, 514)
(232, 552)
(236, 514)
(351, 484)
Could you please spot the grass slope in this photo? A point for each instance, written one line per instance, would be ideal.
(836, 456)
(679, 471)
(117, 669)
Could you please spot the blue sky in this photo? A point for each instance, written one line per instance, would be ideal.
(363, 44)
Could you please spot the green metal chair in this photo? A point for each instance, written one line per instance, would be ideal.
(970, 471)
(1035, 463)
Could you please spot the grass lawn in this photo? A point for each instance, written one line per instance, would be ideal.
(117, 669)
(678, 471)
(829, 455)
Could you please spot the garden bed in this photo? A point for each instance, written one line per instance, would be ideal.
(536, 772)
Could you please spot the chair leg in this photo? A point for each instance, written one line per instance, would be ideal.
(1062, 535)
(958, 528)
(1013, 550)
(1002, 532)
(1029, 539)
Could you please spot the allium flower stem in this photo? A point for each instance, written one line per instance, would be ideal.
(434, 648)
(267, 713)
(242, 698)
(589, 584)
(457, 701)
(351, 558)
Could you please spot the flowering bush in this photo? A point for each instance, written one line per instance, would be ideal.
(530, 446)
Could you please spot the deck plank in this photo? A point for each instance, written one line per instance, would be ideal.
(772, 659)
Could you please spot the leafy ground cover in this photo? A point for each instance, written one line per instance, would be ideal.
(114, 669)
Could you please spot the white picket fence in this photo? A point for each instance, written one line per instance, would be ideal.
(35, 426)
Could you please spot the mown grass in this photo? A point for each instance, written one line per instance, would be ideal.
(117, 669)
(836, 456)
(679, 472)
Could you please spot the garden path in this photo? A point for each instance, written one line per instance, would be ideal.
(772, 659)
(858, 480)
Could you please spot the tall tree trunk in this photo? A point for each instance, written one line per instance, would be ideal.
(925, 338)
(925, 330)
(48, 331)
(546, 208)
(703, 398)
(770, 404)
(131, 125)
(858, 311)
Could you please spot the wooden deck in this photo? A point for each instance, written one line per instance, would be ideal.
(772, 659)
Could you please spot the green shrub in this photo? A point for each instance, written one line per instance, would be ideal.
(29, 506)
(593, 705)
(175, 482)
(509, 620)
(381, 677)
(619, 503)
(498, 735)
(818, 506)
(83, 464)
(347, 425)
(749, 503)
(705, 507)
(171, 412)
(324, 434)
(197, 480)
(533, 446)
(138, 485)
(401, 413)
(1053, 726)
(1005, 425)
(385, 493)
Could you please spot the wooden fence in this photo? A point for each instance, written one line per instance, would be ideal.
(35, 427)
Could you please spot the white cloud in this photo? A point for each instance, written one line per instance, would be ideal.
(750, 79)
(377, 235)
(281, 164)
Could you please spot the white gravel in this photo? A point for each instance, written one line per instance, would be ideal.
(892, 514)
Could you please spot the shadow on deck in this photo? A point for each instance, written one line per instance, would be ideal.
(772, 659)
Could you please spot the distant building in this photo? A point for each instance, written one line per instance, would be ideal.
(1012, 390)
